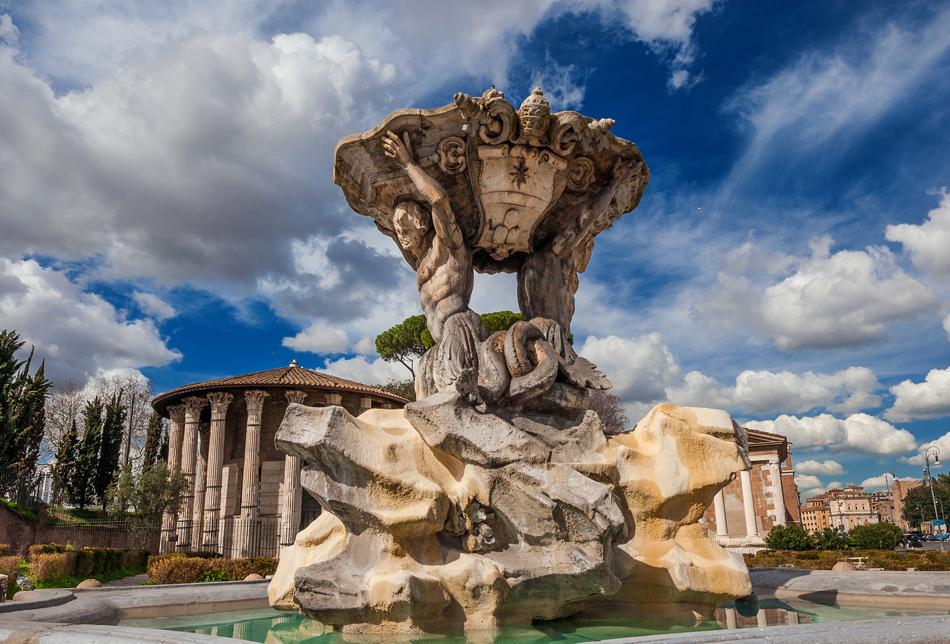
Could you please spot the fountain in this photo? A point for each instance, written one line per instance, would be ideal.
(496, 498)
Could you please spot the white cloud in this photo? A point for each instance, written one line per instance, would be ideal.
(819, 467)
(319, 338)
(373, 372)
(858, 432)
(80, 334)
(841, 299)
(927, 399)
(808, 492)
(8, 31)
(882, 482)
(807, 481)
(640, 368)
(644, 371)
(942, 443)
(827, 95)
(154, 306)
(760, 392)
(928, 242)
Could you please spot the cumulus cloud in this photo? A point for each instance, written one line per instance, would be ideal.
(927, 399)
(841, 299)
(858, 432)
(154, 306)
(643, 370)
(817, 301)
(819, 467)
(928, 242)
(319, 338)
(79, 333)
(807, 481)
(942, 443)
(882, 482)
(361, 369)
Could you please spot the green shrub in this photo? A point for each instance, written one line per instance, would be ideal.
(882, 536)
(788, 537)
(829, 539)
(48, 549)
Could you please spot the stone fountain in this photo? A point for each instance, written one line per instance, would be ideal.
(496, 497)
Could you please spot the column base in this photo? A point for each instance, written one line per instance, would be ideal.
(746, 545)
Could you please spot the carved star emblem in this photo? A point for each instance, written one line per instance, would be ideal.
(520, 172)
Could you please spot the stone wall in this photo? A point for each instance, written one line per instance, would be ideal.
(15, 531)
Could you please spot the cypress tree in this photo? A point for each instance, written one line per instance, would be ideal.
(64, 469)
(22, 413)
(10, 374)
(110, 447)
(82, 486)
(154, 436)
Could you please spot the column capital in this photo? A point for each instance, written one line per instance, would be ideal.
(176, 413)
(334, 399)
(296, 396)
(220, 400)
(255, 398)
(194, 405)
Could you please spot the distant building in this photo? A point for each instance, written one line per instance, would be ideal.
(899, 492)
(747, 508)
(846, 509)
(244, 496)
(850, 508)
(816, 515)
(882, 504)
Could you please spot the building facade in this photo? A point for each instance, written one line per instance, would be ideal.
(899, 492)
(746, 509)
(844, 510)
(244, 497)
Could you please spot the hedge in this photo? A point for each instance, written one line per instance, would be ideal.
(179, 569)
(10, 566)
(5, 549)
(50, 562)
(826, 559)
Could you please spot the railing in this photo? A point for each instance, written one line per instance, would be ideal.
(123, 532)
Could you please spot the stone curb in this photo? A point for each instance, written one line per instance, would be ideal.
(905, 630)
(35, 599)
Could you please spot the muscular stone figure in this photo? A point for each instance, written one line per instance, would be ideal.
(547, 281)
(444, 275)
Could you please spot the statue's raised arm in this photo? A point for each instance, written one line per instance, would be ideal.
(443, 218)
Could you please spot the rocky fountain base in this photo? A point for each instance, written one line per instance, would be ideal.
(439, 518)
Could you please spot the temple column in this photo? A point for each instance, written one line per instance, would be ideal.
(251, 484)
(220, 401)
(748, 504)
(293, 493)
(189, 445)
(201, 476)
(778, 494)
(177, 415)
(719, 508)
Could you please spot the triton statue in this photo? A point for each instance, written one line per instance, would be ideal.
(495, 497)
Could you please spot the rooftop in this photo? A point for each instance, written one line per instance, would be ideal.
(290, 377)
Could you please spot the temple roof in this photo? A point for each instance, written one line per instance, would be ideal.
(292, 377)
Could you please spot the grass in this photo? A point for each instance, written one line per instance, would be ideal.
(72, 582)
(23, 513)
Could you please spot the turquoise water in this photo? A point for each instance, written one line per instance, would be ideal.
(274, 627)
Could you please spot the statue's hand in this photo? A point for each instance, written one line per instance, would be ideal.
(396, 149)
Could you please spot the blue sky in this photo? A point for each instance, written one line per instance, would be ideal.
(166, 203)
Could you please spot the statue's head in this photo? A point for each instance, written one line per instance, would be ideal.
(411, 222)
(535, 115)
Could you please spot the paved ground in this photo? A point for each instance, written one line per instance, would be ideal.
(125, 582)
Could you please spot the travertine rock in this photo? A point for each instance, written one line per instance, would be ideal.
(496, 497)
(429, 527)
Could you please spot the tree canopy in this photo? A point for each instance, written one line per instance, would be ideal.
(407, 341)
(918, 504)
(22, 413)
